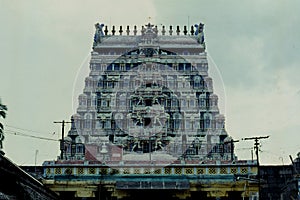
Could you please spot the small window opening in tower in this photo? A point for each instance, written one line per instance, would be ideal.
(148, 102)
(147, 121)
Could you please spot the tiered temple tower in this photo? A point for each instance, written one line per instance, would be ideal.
(148, 124)
(149, 92)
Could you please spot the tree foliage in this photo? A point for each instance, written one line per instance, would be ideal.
(3, 110)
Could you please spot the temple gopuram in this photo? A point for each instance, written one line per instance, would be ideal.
(148, 123)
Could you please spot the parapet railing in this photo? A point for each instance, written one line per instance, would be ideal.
(176, 170)
(161, 30)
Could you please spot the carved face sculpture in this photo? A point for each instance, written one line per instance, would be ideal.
(145, 111)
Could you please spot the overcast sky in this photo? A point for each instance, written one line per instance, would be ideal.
(254, 45)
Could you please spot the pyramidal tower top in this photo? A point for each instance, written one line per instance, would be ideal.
(149, 97)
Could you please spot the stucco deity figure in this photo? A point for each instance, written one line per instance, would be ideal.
(98, 34)
(199, 33)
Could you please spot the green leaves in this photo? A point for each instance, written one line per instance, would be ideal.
(3, 110)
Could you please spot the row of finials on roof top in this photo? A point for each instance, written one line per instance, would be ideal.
(196, 30)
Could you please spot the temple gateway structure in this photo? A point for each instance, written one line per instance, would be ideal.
(148, 122)
(151, 94)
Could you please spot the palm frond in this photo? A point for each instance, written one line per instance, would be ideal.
(3, 107)
(2, 114)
